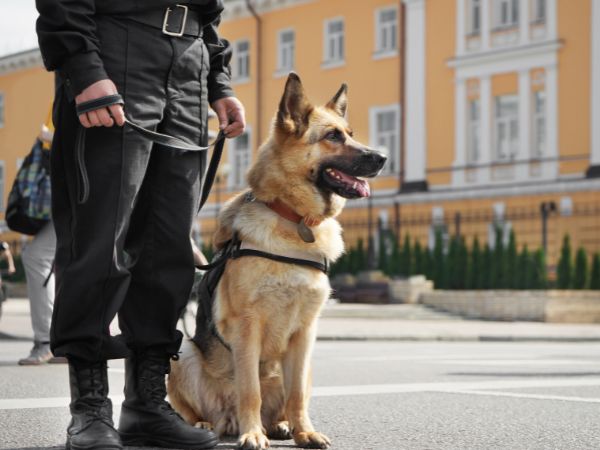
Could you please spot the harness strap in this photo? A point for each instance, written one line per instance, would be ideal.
(323, 267)
(164, 140)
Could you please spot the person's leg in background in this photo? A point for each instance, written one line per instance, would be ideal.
(38, 258)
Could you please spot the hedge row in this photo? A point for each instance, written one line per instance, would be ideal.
(453, 265)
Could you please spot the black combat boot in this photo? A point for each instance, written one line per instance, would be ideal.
(147, 419)
(91, 426)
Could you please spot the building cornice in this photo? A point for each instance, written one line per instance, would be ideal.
(236, 9)
(20, 61)
(503, 54)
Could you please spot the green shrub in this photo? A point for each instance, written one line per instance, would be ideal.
(524, 263)
(595, 273)
(564, 270)
(474, 266)
(580, 274)
(498, 262)
(418, 259)
(438, 262)
(485, 275)
(510, 264)
(539, 278)
(406, 257)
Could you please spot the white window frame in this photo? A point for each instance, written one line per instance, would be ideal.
(385, 29)
(237, 177)
(506, 151)
(512, 14)
(540, 11)
(473, 132)
(332, 39)
(474, 11)
(2, 182)
(539, 126)
(241, 62)
(393, 163)
(284, 48)
(2, 109)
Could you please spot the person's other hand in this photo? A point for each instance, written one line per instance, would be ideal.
(230, 112)
(100, 117)
(11, 270)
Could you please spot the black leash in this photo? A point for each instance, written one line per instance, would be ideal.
(164, 140)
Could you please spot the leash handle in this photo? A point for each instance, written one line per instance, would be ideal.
(166, 141)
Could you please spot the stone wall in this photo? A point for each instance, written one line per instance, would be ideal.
(543, 306)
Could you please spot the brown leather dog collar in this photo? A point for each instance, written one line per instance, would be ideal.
(284, 211)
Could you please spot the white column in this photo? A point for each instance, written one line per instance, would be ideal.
(461, 11)
(552, 111)
(522, 170)
(485, 24)
(460, 132)
(524, 8)
(485, 99)
(415, 142)
(552, 18)
(595, 88)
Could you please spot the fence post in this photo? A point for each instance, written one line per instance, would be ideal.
(546, 208)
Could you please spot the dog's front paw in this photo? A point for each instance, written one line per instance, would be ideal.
(279, 431)
(253, 441)
(204, 425)
(311, 439)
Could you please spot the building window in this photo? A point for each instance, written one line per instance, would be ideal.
(475, 17)
(334, 41)
(286, 50)
(506, 13)
(241, 60)
(2, 185)
(1, 110)
(539, 124)
(474, 133)
(240, 155)
(507, 127)
(386, 29)
(385, 135)
(539, 11)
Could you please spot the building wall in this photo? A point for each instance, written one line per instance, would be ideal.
(574, 76)
(372, 81)
(28, 96)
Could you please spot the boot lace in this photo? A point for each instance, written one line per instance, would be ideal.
(152, 379)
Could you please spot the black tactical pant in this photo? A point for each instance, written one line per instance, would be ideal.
(127, 249)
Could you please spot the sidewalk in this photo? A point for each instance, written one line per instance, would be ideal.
(381, 322)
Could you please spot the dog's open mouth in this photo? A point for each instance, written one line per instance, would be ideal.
(346, 185)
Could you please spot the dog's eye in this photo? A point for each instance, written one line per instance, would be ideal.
(335, 136)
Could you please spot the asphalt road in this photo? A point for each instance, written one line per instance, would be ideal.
(381, 395)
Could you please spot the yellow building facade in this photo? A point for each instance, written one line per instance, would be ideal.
(489, 110)
(494, 122)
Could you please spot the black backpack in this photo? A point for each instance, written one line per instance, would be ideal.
(29, 201)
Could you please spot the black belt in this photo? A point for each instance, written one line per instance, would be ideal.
(164, 140)
(177, 20)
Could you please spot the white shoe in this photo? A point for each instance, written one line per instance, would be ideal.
(40, 354)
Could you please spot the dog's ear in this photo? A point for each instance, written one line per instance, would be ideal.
(294, 107)
(339, 102)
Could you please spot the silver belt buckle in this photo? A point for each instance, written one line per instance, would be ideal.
(183, 21)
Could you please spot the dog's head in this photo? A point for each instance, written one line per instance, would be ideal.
(312, 150)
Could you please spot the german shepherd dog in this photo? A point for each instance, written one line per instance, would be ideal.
(266, 311)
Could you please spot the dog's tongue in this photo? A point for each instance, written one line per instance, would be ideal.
(360, 186)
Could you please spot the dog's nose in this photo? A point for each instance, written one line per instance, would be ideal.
(377, 158)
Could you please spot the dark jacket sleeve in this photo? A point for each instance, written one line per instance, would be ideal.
(68, 42)
(219, 77)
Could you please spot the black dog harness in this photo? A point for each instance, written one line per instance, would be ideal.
(233, 249)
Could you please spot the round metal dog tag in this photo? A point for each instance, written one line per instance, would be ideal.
(305, 233)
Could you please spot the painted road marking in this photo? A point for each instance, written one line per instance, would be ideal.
(526, 395)
(463, 387)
